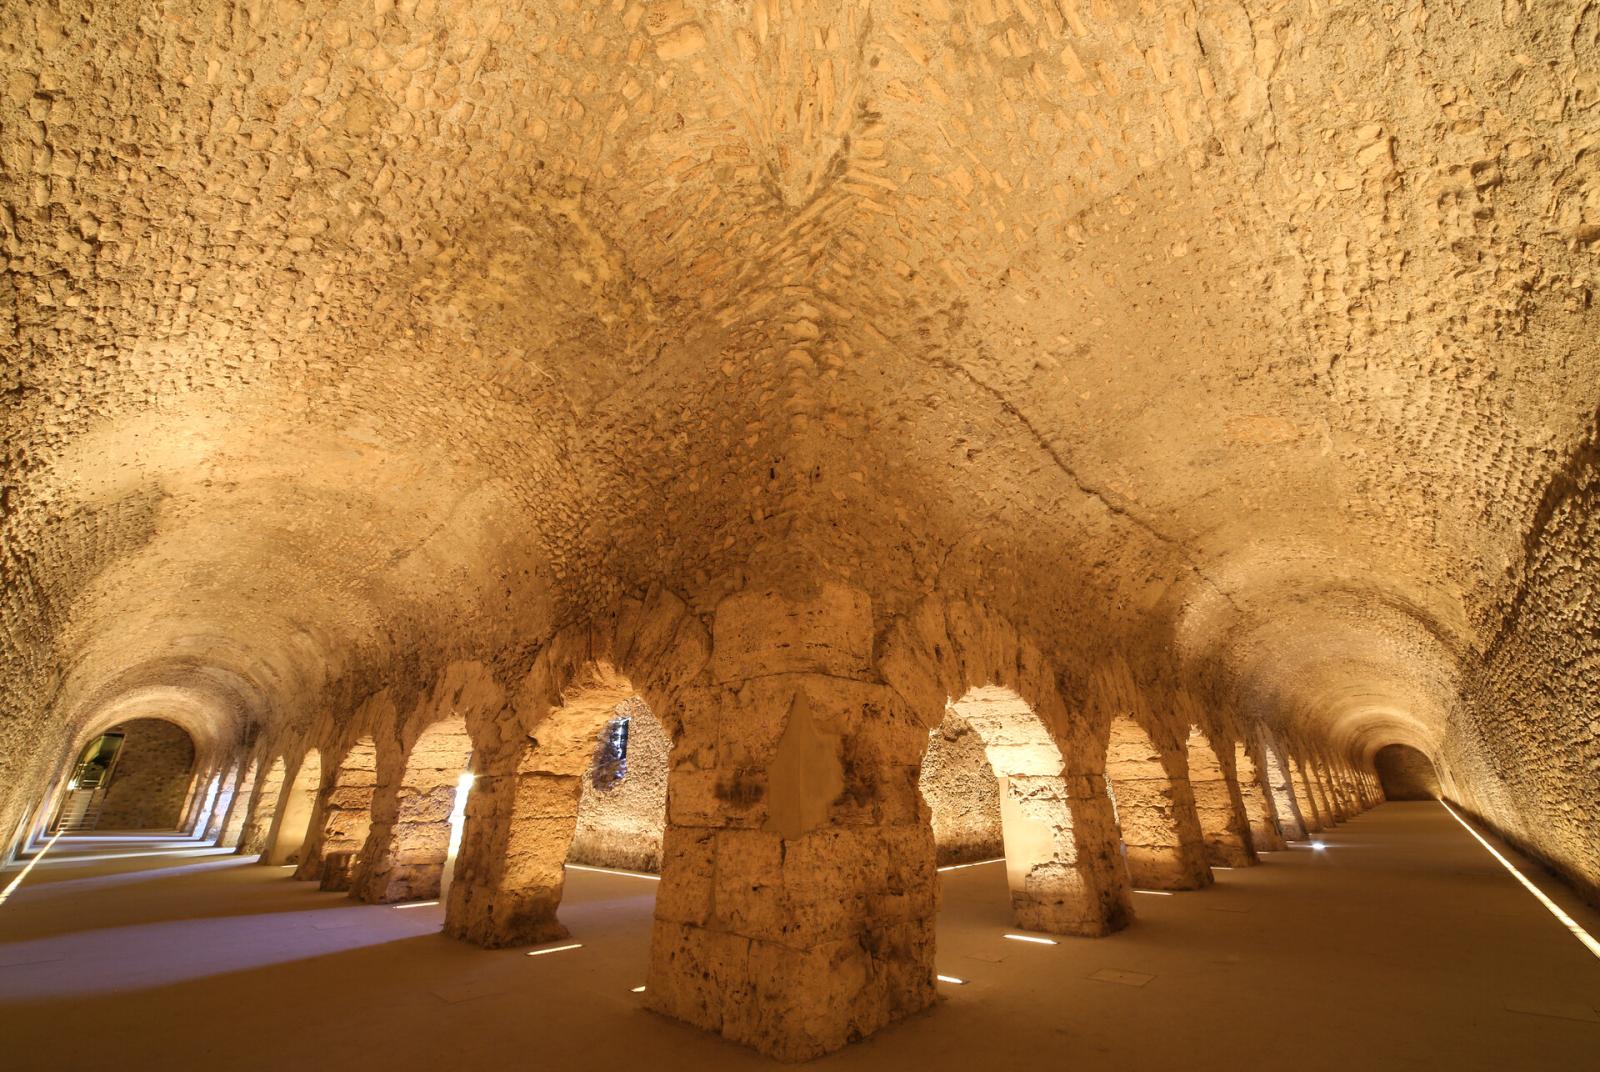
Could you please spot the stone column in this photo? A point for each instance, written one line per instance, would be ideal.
(798, 895)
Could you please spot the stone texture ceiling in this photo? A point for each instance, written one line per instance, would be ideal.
(343, 338)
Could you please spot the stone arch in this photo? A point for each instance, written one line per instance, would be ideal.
(1218, 804)
(346, 818)
(234, 823)
(1047, 889)
(154, 777)
(205, 802)
(1159, 855)
(517, 905)
(1281, 789)
(522, 815)
(409, 838)
(263, 808)
(296, 809)
(946, 650)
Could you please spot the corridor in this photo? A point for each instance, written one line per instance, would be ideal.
(1400, 944)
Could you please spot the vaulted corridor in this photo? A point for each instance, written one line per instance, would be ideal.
(1401, 944)
(453, 451)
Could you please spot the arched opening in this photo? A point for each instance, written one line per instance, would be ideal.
(299, 802)
(208, 801)
(1222, 822)
(622, 810)
(135, 776)
(1266, 834)
(1017, 802)
(239, 810)
(263, 808)
(1282, 789)
(1146, 808)
(1405, 773)
(523, 819)
(346, 818)
(224, 804)
(409, 840)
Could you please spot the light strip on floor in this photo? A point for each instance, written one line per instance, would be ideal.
(614, 871)
(554, 949)
(951, 979)
(417, 904)
(637, 990)
(1031, 938)
(975, 863)
(1554, 909)
(1156, 893)
(24, 872)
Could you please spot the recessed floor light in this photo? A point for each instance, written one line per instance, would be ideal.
(638, 990)
(975, 863)
(554, 949)
(417, 904)
(951, 979)
(1031, 938)
(1317, 845)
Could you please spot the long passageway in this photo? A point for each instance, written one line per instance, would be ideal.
(1401, 943)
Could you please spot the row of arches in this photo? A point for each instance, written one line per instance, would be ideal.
(798, 805)
(1175, 819)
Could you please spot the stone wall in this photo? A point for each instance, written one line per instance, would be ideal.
(1523, 749)
(151, 780)
(1406, 774)
(962, 794)
(622, 826)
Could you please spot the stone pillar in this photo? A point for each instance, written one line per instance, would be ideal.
(404, 855)
(1266, 828)
(1305, 797)
(1219, 805)
(1155, 811)
(344, 818)
(798, 894)
(225, 796)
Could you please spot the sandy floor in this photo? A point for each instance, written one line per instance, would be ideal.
(1402, 945)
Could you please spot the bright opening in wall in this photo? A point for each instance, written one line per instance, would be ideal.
(458, 822)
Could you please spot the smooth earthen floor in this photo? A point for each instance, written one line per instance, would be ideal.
(1402, 945)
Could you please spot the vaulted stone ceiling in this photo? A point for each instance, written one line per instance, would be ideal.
(1245, 340)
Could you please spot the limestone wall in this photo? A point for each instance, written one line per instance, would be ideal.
(151, 781)
(1523, 748)
(963, 796)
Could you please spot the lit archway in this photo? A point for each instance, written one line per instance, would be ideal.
(1031, 817)
(622, 812)
(409, 840)
(521, 823)
(1311, 810)
(137, 775)
(225, 797)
